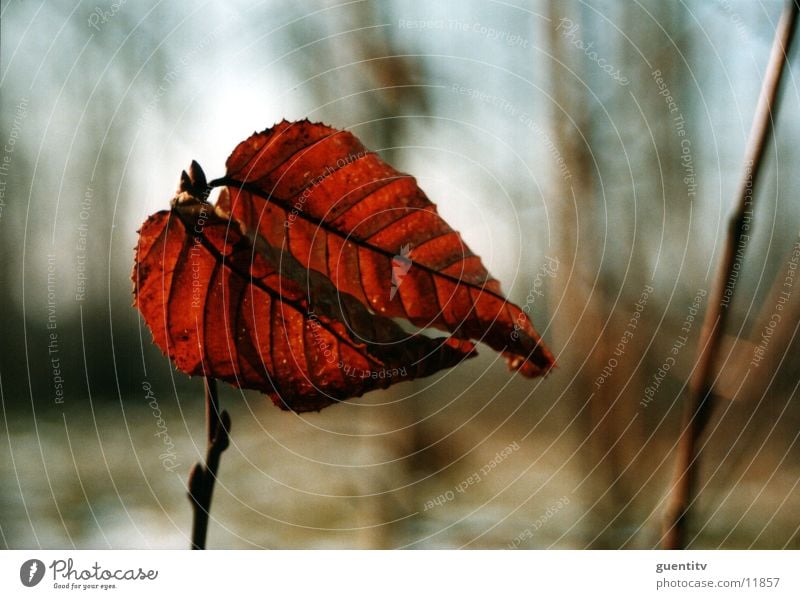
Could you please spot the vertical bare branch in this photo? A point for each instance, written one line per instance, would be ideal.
(699, 402)
(202, 478)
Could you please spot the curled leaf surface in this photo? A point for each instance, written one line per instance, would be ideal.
(219, 308)
(290, 283)
(336, 208)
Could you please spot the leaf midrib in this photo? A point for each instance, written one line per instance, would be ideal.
(254, 189)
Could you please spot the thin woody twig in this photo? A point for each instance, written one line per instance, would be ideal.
(202, 477)
(700, 402)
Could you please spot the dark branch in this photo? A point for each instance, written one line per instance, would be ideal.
(202, 478)
(700, 400)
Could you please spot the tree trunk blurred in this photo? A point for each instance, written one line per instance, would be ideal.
(578, 293)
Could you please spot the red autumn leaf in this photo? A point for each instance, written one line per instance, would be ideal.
(289, 284)
(330, 206)
(219, 308)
